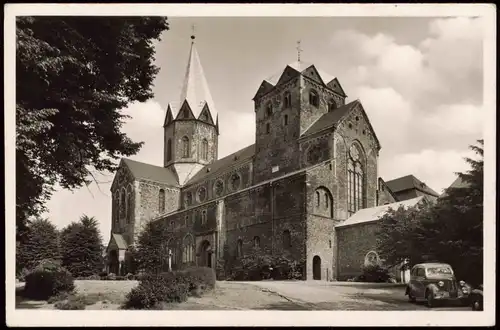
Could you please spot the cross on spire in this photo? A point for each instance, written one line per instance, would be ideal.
(193, 32)
(299, 50)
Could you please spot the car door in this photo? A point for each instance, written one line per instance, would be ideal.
(419, 290)
(412, 282)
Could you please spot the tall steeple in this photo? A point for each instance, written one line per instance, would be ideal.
(191, 128)
(195, 89)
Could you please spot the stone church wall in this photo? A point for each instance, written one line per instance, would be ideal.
(353, 243)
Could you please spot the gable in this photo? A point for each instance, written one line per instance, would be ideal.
(288, 73)
(185, 112)
(330, 119)
(123, 174)
(336, 87)
(264, 88)
(358, 115)
(313, 74)
(117, 242)
(205, 115)
(168, 117)
(385, 193)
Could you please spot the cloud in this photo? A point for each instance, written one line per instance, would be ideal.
(237, 130)
(436, 168)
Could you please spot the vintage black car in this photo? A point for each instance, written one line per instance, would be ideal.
(476, 298)
(435, 282)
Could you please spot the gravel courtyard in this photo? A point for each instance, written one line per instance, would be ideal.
(264, 295)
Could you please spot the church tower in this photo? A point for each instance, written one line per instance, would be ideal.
(191, 126)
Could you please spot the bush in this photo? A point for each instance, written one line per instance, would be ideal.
(71, 303)
(170, 287)
(257, 267)
(375, 274)
(47, 279)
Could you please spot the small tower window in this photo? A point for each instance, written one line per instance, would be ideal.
(286, 120)
(313, 98)
(239, 248)
(332, 105)
(204, 217)
(169, 150)
(287, 100)
(189, 198)
(318, 196)
(204, 149)
(268, 128)
(185, 147)
(256, 242)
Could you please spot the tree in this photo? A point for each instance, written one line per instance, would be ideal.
(73, 76)
(450, 231)
(41, 242)
(81, 247)
(151, 249)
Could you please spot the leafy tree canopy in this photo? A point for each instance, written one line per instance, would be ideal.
(73, 75)
(451, 230)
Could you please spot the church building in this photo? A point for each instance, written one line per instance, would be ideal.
(308, 186)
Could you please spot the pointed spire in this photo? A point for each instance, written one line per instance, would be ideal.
(195, 87)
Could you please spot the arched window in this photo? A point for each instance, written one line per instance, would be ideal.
(318, 197)
(189, 198)
(239, 248)
(204, 149)
(169, 150)
(268, 128)
(256, 242)
(313, 98)
(286, 120)
(355, 182)
(332, 105)
(269, 109)
(185, 147)
(188, 249)
(325, 208)
(161, 201)
(130, 205)
(372, 259)
(287, 100)
(287, 241)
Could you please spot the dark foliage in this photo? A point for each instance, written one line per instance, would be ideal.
(150, 252)
(375, 274)
(81, 247)
(73, 76)
(48, 279)
(41, 242)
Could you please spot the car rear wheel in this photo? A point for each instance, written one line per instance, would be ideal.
(411, 297)
(476, 305)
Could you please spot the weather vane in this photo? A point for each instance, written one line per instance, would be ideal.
(298, 50)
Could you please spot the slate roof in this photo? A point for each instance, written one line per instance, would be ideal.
(409, 182)
(299, 66)
(458, 183)
(375, 213)
(330, 119)
(119, 240)
(150, 172)
(222, 164)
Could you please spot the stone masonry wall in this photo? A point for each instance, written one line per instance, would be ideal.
(354, 242)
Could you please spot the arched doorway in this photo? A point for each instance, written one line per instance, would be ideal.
(114, 264)
(316, 268)
(205, 254)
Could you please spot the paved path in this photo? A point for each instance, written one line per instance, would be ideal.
(319, 295)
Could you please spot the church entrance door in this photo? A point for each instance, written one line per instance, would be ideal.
(316, 268)
(206, 254)
(114, 264)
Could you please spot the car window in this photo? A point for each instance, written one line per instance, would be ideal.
(439, 271)
(420, 272)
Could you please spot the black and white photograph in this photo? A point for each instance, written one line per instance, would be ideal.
(244, 164)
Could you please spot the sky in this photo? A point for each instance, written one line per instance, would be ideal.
(420, 80)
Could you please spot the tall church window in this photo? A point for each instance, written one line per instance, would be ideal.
(204, 149)
(189, 198)
(313, 98)
(355, 182)
(331, 105)
(239, 248)
(123, 205)
(188, 249)
(318, 197)
(268, 128)
(169, 150)
(287, 100)
(161, 201)
(287, 241)
(286, 120)
(130, 201)
(185, 147)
